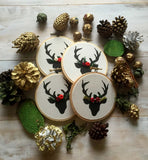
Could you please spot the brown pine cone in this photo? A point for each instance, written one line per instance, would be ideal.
(119, 25)
(104, 29)
(98, 130)
(5, 76)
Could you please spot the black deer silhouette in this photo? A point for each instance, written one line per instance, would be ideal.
(59, 99)
(83, 64)
(96, 100)
(55, 61)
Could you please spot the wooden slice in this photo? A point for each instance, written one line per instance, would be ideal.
(50, 53)
(52, 98)
(83, 57)
(92, 96)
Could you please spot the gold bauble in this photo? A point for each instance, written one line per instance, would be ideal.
(130, 57)
(26, 42)
(88, 18)
(60, 24)
(25, 75)
(77, 36)
(48, 138)
(120, 60)
(87, 29)
(134, 111)
(74, 21)
(137, 64)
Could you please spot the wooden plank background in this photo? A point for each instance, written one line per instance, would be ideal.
(126, 139)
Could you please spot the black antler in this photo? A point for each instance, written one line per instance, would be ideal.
(48, 91)
(48, 51)
(66, 45)
(85, 90)
(105, 89)
(77, 56)
(66, 93)
(97, 56)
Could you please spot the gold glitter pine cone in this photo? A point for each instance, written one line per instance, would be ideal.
(25, 75)
(119, 25)
(134, 111)
(48, 138)
(26, 42)
(61, 22)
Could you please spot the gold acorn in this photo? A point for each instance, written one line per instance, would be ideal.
(61, 22)
(134, 111)
(87, 29)
(48, 138)
(130, 57)
(26, 42)
(77, 36)
(122, 75)
(25, 75)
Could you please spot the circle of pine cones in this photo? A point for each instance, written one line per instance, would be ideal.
(25, 75)
(98, 130)
(26, 42)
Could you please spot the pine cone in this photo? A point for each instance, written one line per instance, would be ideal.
(9, 93)
(5, 76)
(119, 25)
(122, 74)
(60, 24)
(98, 130)
(105, 29)
(25, 75)
(132, 40)
(48, 138)
(26, 42)
(134, 111)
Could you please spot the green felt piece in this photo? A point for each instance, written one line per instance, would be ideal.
(114, 48)
(30, 116)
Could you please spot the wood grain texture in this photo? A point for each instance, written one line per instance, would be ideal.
(68, 2)
(126, 139)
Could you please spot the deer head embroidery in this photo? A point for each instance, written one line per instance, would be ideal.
(59, 99)
(55, 61)
(83, 64)
(94, 100)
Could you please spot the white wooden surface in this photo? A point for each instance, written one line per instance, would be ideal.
(126, 139)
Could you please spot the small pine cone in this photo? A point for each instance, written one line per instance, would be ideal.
(60, 24)
(119, 25)
(134, 111)
(105, 29)
(98, 130)
(25, 75)
(10, 93)
(132, 40)
(26, 42)
(5, 76)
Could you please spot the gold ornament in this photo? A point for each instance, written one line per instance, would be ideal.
(120, 60)
(77, 36)
(88, 18)
(48, 138)
(122, 74)
(134, 111)
(137, 64)
(87, 29)
(25, 75)
(60, 24)
(26, 42)
(130, 57)
(74, 21)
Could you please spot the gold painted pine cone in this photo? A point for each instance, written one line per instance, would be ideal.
(25, 75)
(134, 111)
(26, 42)
(48, 138)
(61, 22)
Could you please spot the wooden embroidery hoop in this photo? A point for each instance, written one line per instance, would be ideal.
(72, 105)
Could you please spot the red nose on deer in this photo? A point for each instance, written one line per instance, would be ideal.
(59, 99)
(94, 100)
(83, 64)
